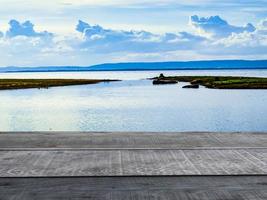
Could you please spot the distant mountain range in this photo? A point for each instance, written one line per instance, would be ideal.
(190, 65)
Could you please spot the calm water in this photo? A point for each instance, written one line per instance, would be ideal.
(133, 105)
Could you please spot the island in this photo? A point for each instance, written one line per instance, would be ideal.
(7, 84)
(219, 82)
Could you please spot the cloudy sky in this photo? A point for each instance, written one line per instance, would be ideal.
(87, 32)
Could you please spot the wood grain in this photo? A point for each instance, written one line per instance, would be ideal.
(132, 162)
(136, 188)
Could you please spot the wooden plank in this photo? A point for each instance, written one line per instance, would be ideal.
(131, 162)
(138, 188)
(132, 140)
(224, 162)
(59, 158)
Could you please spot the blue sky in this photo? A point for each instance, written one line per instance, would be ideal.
(86, 32)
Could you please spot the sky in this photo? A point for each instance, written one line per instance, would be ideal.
(88, 32)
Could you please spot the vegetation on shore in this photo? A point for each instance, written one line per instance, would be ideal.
(221, 82)
(6, 84)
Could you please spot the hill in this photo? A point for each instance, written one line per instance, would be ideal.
(187, 65)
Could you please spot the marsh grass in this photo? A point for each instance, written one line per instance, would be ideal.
(223, 82)
(6, 84)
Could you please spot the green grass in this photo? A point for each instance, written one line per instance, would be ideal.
(223, 82)
(6, 84)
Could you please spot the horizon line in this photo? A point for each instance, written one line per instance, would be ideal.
(137, 62)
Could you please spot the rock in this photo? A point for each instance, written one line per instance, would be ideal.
(161, 76)
(194, 86)
(163, 82)
(196, 82)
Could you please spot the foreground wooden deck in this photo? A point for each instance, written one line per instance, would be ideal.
(133, 166)
(136, 188)
(132, 162)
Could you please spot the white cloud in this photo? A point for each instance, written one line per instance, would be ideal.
(215, 26)
(129, 2)
(101, 40)
(24, 29)
(264, 24)
(262, 27)
(226, 41)
(152, 3)
(244, 39)
(91, 44)
(24, 46)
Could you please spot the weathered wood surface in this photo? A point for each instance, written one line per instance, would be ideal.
(132, 154)
(137, 166)
(135, 188)
(132, 140)
(132, 162)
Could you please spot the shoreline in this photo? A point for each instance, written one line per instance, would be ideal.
(211, 82)
(130, 70)
(219, 82)
(14, 84)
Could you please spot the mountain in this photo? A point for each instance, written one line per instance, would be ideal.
(189, 65)
(214, 64)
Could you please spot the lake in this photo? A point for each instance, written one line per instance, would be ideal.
(133, 104)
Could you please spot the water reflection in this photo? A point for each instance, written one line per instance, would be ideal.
(133, 105)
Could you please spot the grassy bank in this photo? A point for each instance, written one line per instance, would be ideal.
(222, 82)
(6, 84)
